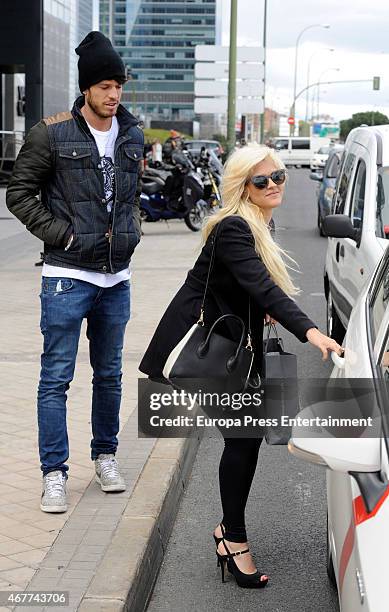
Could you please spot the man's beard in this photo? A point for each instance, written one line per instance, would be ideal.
(96, 110)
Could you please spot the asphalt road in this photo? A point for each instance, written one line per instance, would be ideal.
(286, 512)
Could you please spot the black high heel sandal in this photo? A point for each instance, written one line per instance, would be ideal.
(246, 581)
(218, 540)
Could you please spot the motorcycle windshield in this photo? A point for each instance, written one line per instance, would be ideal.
(215, 162)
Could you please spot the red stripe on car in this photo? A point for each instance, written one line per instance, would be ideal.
(360, 514)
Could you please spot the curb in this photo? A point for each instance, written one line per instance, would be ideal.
(125, 578)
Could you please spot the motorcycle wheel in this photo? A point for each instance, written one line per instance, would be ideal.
(195, 217)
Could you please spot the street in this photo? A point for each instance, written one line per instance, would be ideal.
(286, 512)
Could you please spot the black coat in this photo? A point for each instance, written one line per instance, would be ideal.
(237, 273)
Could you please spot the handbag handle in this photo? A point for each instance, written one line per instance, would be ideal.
(273, 327)
(210, 267)
(204, 346)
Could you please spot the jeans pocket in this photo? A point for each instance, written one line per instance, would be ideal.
(55, 285)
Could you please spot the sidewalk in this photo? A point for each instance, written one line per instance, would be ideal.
(40, 551)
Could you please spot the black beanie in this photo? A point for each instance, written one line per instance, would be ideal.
(98, 61)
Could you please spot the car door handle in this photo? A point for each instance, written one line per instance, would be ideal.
(341, 251)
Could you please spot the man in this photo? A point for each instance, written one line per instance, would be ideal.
(171, 144)
(86, 164)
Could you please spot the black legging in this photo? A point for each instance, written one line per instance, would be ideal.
(236, 472)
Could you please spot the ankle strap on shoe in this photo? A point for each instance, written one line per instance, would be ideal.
(234, 554)
(240, 552)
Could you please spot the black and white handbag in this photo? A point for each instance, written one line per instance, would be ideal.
(206, 360)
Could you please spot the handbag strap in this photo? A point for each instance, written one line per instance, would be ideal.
(210, 268)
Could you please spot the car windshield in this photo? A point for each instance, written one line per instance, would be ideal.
(324, 150)
(382, 211)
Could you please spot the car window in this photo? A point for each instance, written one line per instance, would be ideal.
(344, 179)
(333, 166)
(382, 211)
(377, 320)
(281, 144)
(300, 144)
(358, 196)
(379, 301)
(323, 151)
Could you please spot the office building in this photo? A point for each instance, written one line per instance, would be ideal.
(39, 63)
(157, 39)
(56, 43)
(65, 24)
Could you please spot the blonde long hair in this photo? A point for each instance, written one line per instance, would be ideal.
(238, 169)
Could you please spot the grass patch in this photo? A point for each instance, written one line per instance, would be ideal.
(162, 135)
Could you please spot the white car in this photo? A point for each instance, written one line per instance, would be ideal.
(358, 226)
(358, 468)
(319, 159)
(298, 150)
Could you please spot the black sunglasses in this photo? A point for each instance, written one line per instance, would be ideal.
(261, 181)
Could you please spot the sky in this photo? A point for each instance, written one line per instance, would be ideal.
(358, 35)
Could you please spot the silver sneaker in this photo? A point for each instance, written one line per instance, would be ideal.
(108, 475)
(54, 492)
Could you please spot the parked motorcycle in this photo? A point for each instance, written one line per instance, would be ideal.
(176, 193)
(210, 168)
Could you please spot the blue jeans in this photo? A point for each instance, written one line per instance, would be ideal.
(65, 302)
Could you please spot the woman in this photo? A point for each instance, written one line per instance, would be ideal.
(248, 263)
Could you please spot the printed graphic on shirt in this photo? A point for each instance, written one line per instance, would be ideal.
(109, 180)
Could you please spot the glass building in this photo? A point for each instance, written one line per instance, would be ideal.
(56, 41)
(157, 39)
(65, 24)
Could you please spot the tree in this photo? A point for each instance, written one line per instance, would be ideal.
(222, 139)
(304, 128)
(358, 119)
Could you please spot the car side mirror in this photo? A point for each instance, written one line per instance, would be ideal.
(345, 455)
(339, 226)
(314, 176)
(339, 454)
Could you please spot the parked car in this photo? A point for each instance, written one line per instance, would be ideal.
(358, 468)
(358, 226)
(194, 147)
(326, 188)
(297, 151)
(319, 159)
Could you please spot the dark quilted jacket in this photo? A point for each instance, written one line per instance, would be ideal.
(60, 161)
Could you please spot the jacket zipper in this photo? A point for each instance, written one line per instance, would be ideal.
(112, 214)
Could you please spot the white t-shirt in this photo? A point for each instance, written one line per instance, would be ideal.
(105, 142)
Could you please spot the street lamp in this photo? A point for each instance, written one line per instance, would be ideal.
(308, 76)
(318, 86)
(314, 25)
